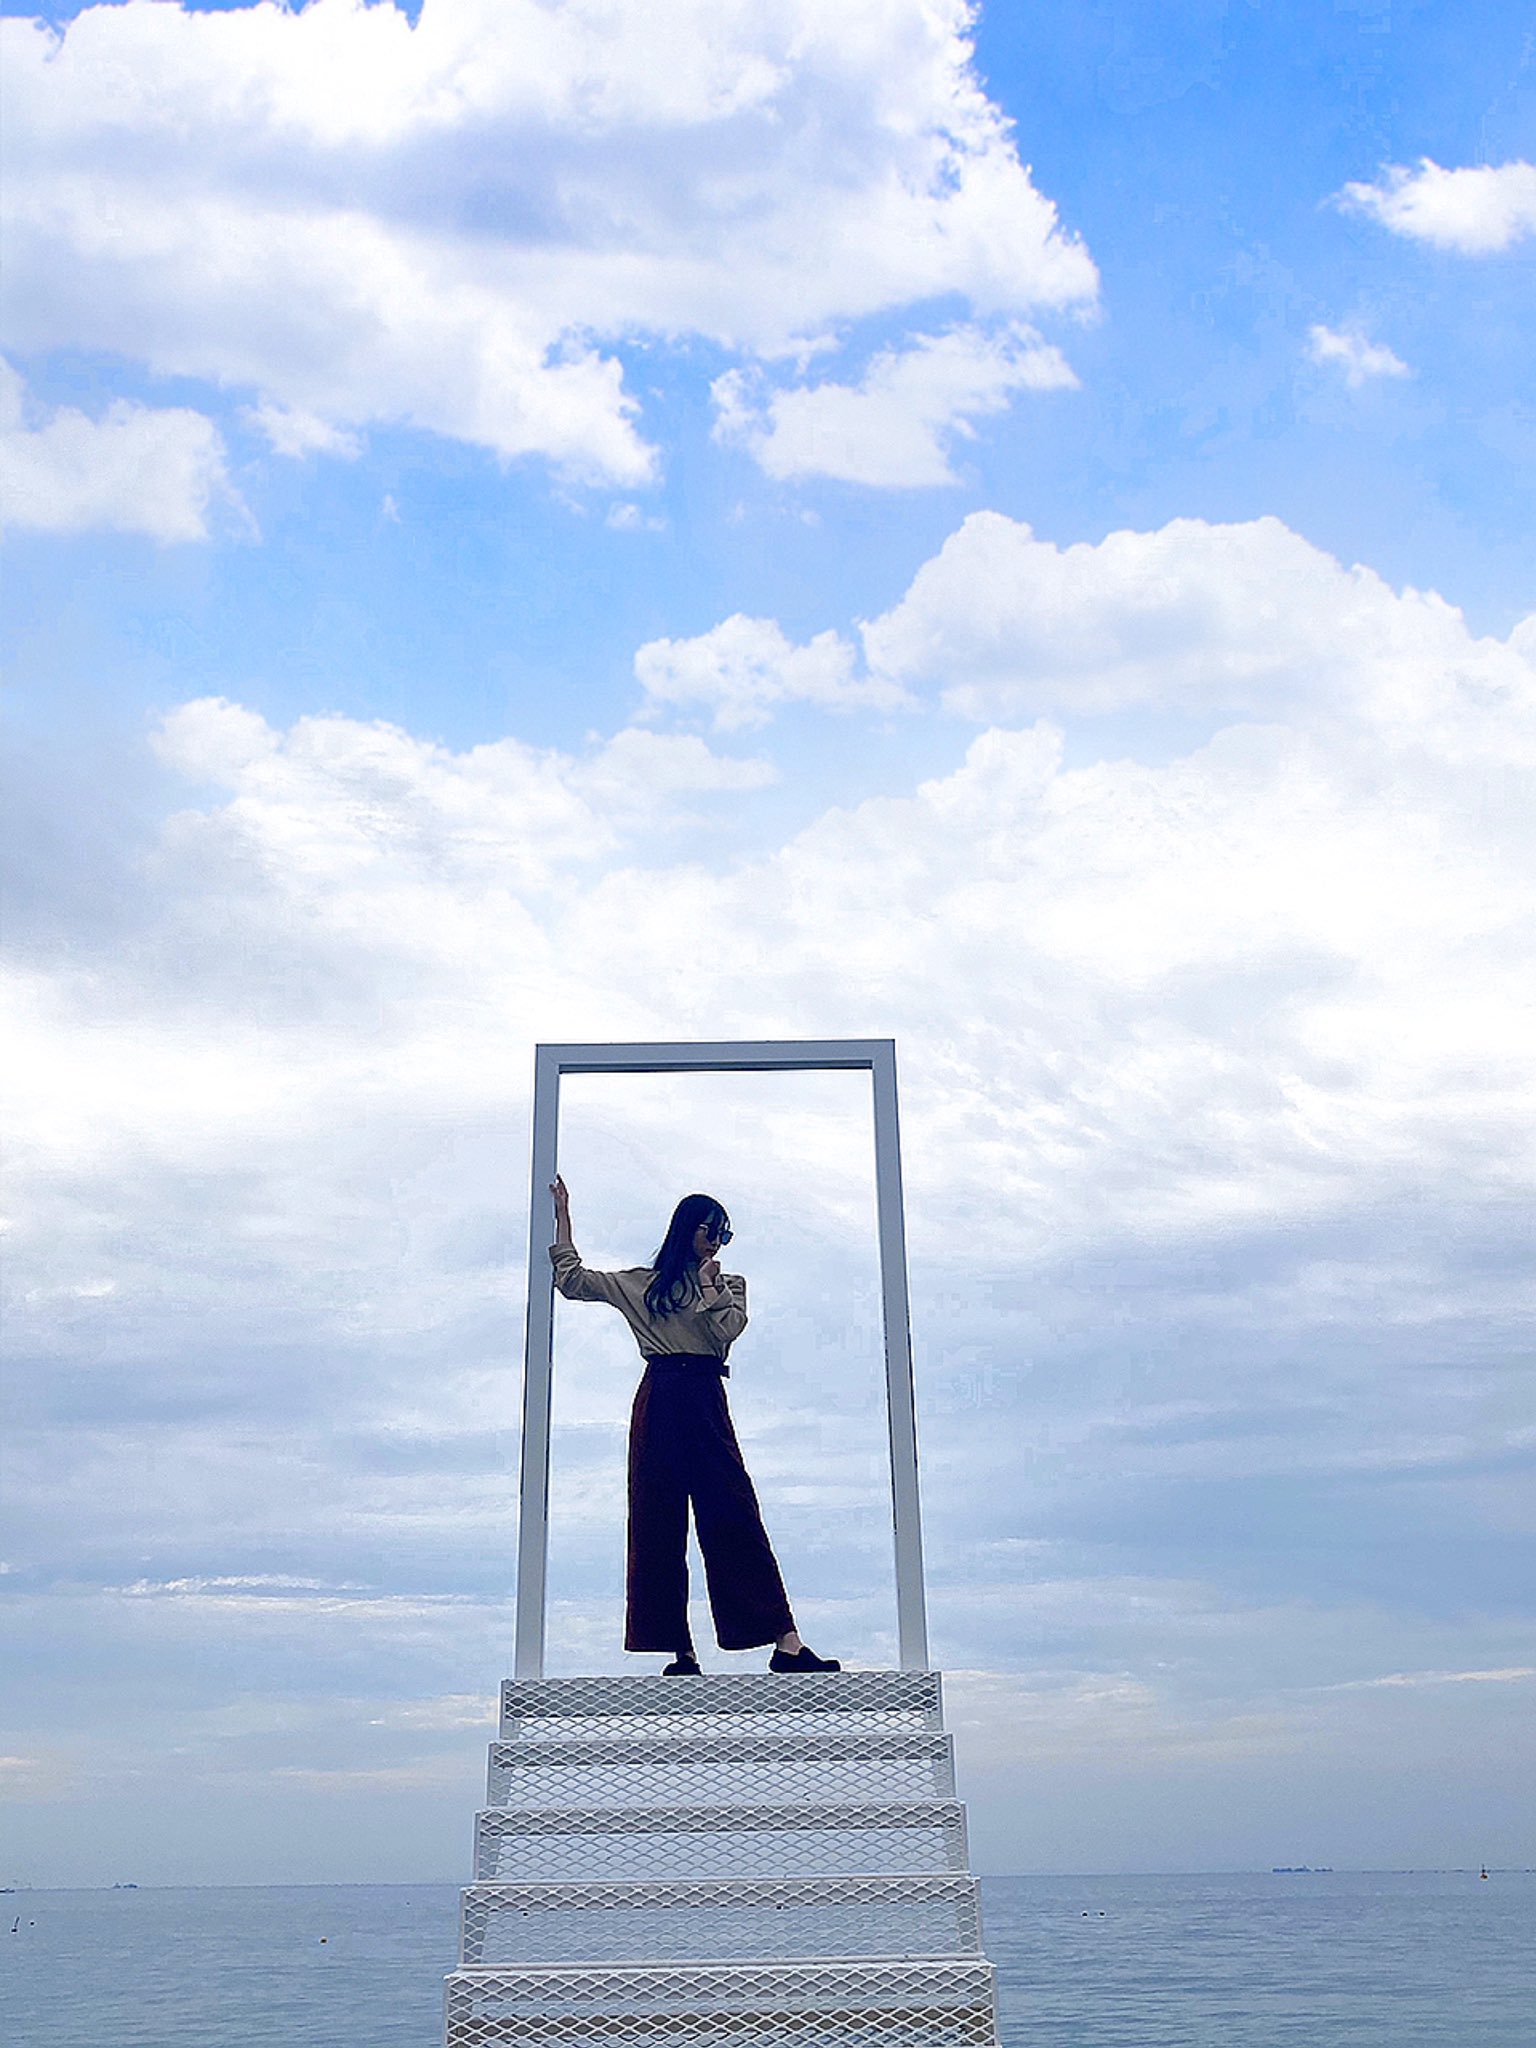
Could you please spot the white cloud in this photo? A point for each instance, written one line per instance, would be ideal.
(1192, 616)
(212, 740)
(742, 670)
(134, 470)
(894, 427)
(1357, 853)
(504, 192)
(1217, 1089)
(1513, 1675)
(642, 780)
(1255, 979)
(1359, 359)
(259, 1583)
(1477, 211)
(300, 433)
(454, 1710)
(336, 800)
(627, 517)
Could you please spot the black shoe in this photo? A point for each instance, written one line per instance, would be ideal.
(683, 1666)
(801, 1660)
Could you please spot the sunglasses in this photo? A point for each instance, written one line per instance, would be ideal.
(723, 1235)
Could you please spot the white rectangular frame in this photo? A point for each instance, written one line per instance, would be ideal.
(776, 1056)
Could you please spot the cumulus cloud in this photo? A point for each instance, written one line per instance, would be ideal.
(742, 670)
(1064, 950)
(1478, 210)
(136, 469)
(894, 427)
(1358, 358)
(1194, 616)
(338, 800)
(506, 192)
(1216, 1098)
(1002, 625)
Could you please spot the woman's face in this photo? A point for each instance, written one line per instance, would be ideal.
(706, 1239)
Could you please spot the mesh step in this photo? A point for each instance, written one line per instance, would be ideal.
(841, 2003)
(548, 1706)
(841, 1767)
(582, 1846)
(724, 1920)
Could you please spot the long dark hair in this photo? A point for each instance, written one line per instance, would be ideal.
(675, 1264)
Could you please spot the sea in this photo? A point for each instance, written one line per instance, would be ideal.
(1329, 1959)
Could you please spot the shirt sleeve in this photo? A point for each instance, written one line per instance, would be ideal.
(582, 1283)
(730, 1317)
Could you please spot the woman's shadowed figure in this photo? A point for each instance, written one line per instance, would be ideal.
(685, 1314)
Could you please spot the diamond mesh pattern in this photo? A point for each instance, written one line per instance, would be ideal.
(549, 1706)
(719, 1841)
(925, 2004)
(749, 1860)
(838, 1769)
(727, 1920)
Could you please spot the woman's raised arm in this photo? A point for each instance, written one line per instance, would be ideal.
(574, 1280)
(562, 1195)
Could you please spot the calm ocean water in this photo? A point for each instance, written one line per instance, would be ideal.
(1356, 1960)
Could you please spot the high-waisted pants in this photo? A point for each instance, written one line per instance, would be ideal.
(682, 1449)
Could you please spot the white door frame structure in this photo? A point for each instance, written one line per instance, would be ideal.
(771, 1056)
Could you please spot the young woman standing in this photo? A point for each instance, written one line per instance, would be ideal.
(686, 1314)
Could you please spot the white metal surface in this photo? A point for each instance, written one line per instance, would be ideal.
(928, 2003)
(532, 1708)
(720, 1920)
(756, 1902)
(602, 1844)
(840, 1769)
(538, 1373)
(901, 1400)
(878, 1057)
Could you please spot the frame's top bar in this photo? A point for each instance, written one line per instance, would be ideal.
(741, 1055)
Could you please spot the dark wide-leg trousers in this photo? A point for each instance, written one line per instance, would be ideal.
(682, 1450)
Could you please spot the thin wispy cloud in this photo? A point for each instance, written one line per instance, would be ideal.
(1357, 357)
(1515, 1675)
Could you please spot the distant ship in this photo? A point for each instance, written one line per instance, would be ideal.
(1301, 1870)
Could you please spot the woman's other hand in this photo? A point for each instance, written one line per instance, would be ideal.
(709, 1273)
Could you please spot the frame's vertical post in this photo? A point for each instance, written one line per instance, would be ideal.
(538, 1359)
(911, 1616)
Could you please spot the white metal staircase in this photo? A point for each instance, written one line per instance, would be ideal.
(746, 1860)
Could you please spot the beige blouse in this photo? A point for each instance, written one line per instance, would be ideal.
(693, 1327)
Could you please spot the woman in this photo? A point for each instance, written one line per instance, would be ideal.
(686, 1315)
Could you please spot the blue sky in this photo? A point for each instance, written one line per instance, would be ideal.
(584, 521)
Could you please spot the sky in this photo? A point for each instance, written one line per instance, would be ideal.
(538, 520)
